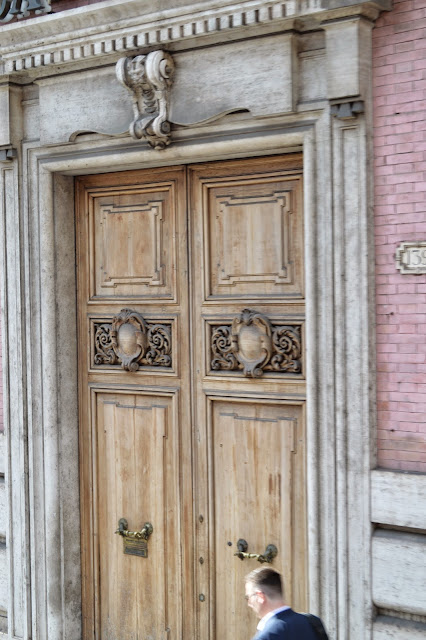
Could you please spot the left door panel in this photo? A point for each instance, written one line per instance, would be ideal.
(135, 437)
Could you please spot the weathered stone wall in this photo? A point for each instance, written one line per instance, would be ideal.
(399, 80)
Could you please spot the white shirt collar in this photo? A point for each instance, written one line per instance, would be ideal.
(266, 617)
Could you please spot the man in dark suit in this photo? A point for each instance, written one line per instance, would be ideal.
(264, 594)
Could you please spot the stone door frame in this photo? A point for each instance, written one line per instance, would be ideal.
(40, 330)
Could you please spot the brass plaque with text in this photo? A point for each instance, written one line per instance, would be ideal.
(135, 547)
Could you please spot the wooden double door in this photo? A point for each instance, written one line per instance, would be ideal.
(192, 394)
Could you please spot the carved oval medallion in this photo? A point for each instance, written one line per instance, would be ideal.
(251, 344)
(129, 338)
(251, 341)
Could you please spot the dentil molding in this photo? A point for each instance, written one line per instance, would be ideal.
(88, 35)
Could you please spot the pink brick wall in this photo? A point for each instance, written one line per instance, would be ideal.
(399, 85)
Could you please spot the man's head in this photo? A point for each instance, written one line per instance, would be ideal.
(264, 591)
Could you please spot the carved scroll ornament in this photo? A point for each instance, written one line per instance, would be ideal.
(254, 345)
(132, 342)
(148, 78)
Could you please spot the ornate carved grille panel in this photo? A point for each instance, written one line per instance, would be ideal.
(250, 343)
(130, 342)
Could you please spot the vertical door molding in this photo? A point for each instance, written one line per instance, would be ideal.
(353, 273)
(14, 407)
(50, 366)
(67, 416)
(49, 463)
(320, 322)
(354, 375)
(310, 162)
(339, 341)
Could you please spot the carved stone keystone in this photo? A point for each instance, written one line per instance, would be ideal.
(148, 78)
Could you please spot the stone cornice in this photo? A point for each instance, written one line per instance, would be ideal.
(100, 33)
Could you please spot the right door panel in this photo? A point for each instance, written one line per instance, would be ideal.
(248, 333)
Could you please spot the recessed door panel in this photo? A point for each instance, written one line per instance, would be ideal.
(135, 435)
(133, 251)
(251, 235)
(253, 456)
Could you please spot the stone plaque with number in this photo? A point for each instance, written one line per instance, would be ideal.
(411, 257)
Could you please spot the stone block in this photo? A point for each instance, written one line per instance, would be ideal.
(10, 115)
(312, 82)
(205, 84)
(348, 48)
(4, 115)
(387, 628)
(398, 499)
(90, 101)
(399, 570)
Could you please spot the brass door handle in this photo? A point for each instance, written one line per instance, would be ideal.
(270, 552)
(143, 534)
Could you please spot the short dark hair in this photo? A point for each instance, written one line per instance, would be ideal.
(266, 580)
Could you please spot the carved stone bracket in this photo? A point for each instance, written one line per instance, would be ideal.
(132, 342)
(148, 78)
(252, 344)
(7, 154)
(347, 110)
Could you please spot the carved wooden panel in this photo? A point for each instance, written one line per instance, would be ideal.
(252, 345)
(257, 497)
(130, 342)
(133, 252)
(136, 437)
(252, 237)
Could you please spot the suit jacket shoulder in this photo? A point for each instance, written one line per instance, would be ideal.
(287, 625)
